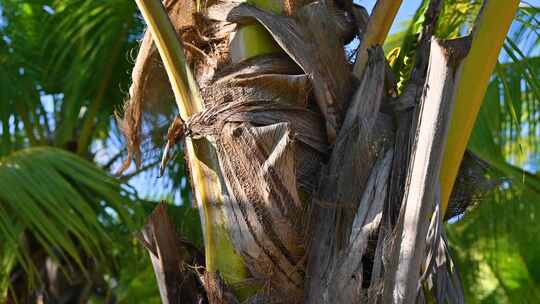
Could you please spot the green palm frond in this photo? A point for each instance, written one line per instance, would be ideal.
(86, 44)
(64, 67)
(69, 206)
(64, 70)
(496, 248)
(507, 128)
(19, 106)
(495, 244)
(455, 20)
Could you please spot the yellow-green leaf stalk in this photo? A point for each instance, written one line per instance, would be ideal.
(379, 24)
(473, 78)
(219, 252)
(253, 40)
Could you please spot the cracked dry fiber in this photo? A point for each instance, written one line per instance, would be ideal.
(365, 133)
(266, 145)
(271, 221)
(316, 47)
(421, 200)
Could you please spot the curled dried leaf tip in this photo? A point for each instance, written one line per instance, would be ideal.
(174, 135)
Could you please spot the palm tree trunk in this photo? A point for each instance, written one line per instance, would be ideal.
(314, 183)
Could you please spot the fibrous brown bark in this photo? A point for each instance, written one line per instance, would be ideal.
(171, 258)
(329, 182)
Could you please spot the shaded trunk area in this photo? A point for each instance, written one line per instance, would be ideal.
(327, 182)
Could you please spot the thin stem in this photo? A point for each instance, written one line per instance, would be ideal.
(378, 27)
(187, 98)
(202, 158)
(185, 89)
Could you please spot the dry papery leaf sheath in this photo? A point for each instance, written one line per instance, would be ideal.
(329, 184)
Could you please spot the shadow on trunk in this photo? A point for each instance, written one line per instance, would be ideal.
(328, 183)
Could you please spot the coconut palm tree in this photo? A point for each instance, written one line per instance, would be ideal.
(62, 64)
(318, 179)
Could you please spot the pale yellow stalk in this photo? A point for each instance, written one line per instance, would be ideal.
(379, 24)
(219, 253)
(472, 81)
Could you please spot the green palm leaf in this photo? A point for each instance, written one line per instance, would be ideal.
(66, 203)
(85, 44)
(495, 247)
(495, 244)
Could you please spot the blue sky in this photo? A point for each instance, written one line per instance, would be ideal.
(408, 7)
